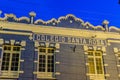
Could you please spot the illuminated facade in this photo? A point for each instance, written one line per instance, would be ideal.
(63, 49)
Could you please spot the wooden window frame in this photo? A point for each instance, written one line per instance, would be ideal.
(11, 72)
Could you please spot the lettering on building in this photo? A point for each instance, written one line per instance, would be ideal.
(68, 39)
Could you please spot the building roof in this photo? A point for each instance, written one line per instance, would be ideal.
(68, 21)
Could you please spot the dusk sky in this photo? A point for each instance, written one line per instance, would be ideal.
(93, 11)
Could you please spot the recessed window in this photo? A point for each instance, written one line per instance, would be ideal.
(50, 50)
(7, 47)
(45, 62)
(95, 62)
(16, 48)
(10, 61)
(42, 50)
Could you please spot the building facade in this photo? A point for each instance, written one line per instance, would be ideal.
(60, 49)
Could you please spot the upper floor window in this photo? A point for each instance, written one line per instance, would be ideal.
(45, 62)
(10, 61)
(95, 62)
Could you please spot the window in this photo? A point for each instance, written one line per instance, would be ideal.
(45, 62)
(10, 61)
(117, 54)
(95, 62)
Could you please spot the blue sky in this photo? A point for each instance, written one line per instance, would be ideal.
(93, 11)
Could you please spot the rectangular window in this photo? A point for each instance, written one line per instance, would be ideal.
(42, 63)
(5, 61)
(95, 62)
(99, 66)
(50, 64)
(45, 62)
(15, 62)
(10, 61)
(91, 65)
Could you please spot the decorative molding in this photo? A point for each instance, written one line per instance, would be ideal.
(57, 45)
(118, 66)
(105, 64)
(104, 54)
(1, 47)
(35, 61)
(31, 37)
(47, 44)
(98, 48)
(16, 33)
(42, 44)
(87, 74)
(94, 47)
(23, 43)
(114, 29)
(22, 48)
(34, 72)
(85, 48)
(1, 41)
(55, 30)
(108, 43)
(36, 49)
(87, 64)
(115, 49)
(51, 45)
(57, 73)
(90, 47)
(21, 71)
(86, 53)
(13, 18)
(113, 41)
(107, 75)
(69, 19)
(21, 60)
(8, 42)
(12, 42)
(119, 58)
(57, 51)
(57, 62)
(37, 44)
(104, 49)
(17, 42)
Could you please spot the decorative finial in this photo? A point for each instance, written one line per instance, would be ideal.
(105, 22)
(32, 15)
(105, 25)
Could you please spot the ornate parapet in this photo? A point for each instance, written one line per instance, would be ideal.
(68, 21)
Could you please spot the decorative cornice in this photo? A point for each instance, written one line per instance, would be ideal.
(114, 29)
(13, 18)
(68, 21)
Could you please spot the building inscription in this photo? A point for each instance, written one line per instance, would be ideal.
(68, 39)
